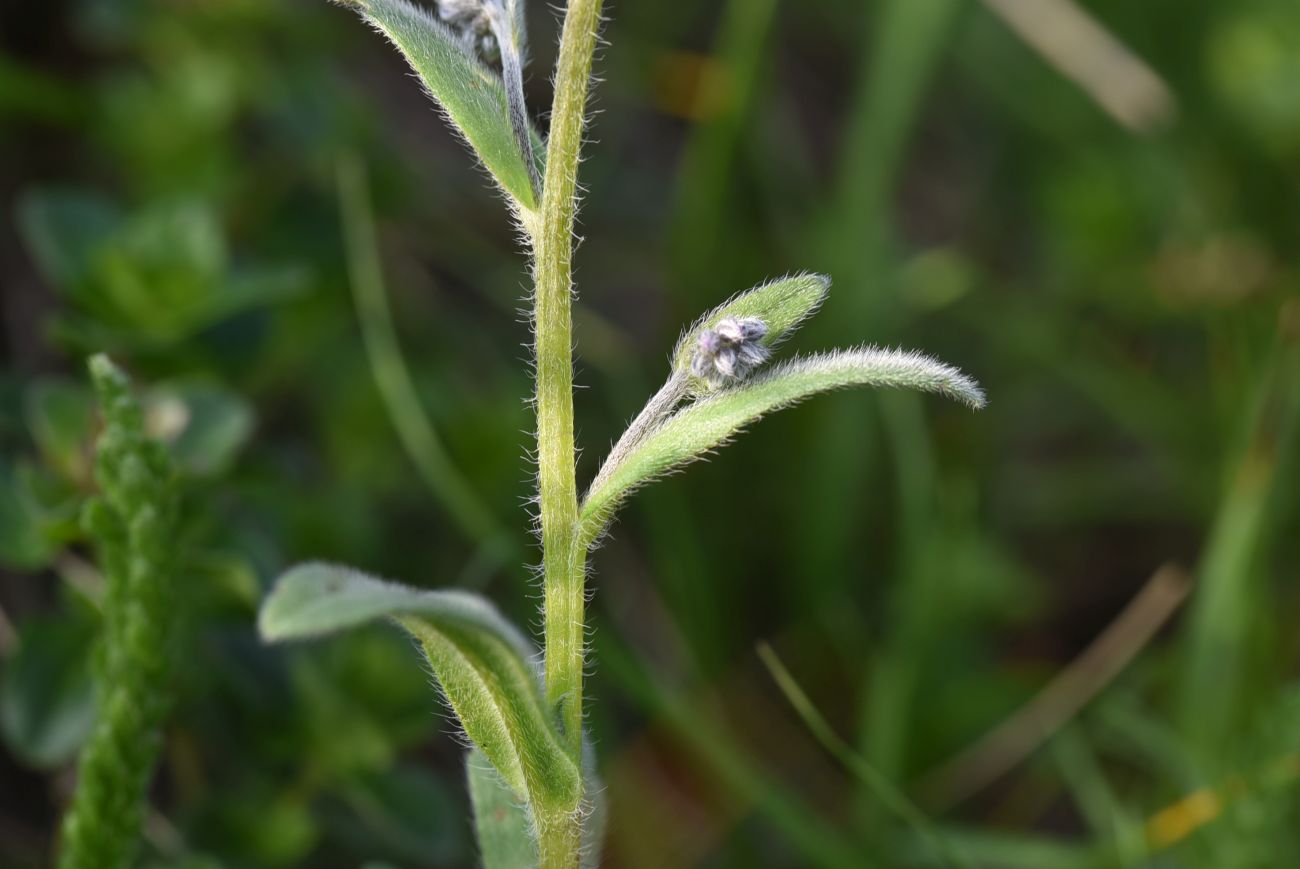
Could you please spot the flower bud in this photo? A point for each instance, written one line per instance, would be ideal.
(730, 350)
(473, 20)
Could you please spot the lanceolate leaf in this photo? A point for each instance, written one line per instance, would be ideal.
(472, 95)
(501, 821)
(709, 422)
(781, 304)
(482, 663)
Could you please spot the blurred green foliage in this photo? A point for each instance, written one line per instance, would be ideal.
(1128, 298)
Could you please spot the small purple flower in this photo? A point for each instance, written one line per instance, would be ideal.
(730, 350)
(472, 19)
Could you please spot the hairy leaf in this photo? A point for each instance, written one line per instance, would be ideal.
(709, 422)
(482, 663)
(501, 822)
(472, 95)
(781, 304)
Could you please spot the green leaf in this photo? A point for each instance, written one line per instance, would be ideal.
(63, 229)
(472, 96)
(781, 304)
(483, 664)
(501, 821)
(157, 275)
(60, 415)
(710, 422)
(47, 703)
(504, 827)
(202, 424)
(38, 514)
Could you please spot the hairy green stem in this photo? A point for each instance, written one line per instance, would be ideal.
(559, 841)
(563, 562)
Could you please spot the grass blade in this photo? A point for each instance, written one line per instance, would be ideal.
(885, 790)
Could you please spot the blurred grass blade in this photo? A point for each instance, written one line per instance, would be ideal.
(730, 88)
(392, 377)
(1082, 50)
(710, 746)
(1022, 733)
(1222, 627)
(1021, 851)
(781, 304)
(482, 663)
(886, 791)
(472, 96)
(501, 822)
(905, 42)
(710, 422)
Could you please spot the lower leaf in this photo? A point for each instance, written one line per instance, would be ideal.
(482, 663)
(502, 824)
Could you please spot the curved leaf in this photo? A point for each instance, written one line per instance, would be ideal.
(482, 663)
(781, 304)
(472, 96)
(709, 422)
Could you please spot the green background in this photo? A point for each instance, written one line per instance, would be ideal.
(1126, 293)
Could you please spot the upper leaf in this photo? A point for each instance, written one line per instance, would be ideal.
(709, 422)
(781, 304)
(472, 95)
(482, 662)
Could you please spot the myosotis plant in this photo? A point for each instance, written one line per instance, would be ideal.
(530, 772)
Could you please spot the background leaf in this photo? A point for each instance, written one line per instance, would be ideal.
(203, 424)
(59, 416)
(47, 705)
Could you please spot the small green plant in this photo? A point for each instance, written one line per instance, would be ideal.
(132, 523)
(530, 770)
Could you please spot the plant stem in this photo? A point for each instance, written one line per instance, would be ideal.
(559, 842)
(656, 409)
(562, 560)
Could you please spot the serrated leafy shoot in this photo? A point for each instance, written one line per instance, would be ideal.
(781, 304)
(482, 663)
(711, 421)
(472, 96)
(132, 522)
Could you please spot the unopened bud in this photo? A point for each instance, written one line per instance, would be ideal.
(730, 351)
